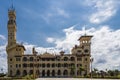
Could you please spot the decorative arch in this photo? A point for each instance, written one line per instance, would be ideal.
(18, 73)
(53, 72)
(43, 73)
(31, 72)
(65, 65)
(72, 58)
(31, 58)
(53, 65)
(65, 58)
(24, 72)
(59, 65)
(65, 72)
(48, 65)
(24, 58)
(59, 72)
(72, 72)
(11, 72)
(48, 73)
(24, 65)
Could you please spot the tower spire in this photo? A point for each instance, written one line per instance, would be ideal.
(84, 29)
(12, 6)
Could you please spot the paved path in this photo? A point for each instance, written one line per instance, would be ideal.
(71, 79)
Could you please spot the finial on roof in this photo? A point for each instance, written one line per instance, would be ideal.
(85, 30)
(12, 6)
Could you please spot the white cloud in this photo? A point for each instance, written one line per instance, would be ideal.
(105, 46)
(40, 50)
(103, 10)
(62, 12)
(3, 55)
(53, 12)
(50, 40)
(2, 37)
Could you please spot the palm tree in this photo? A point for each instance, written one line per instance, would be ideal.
(102, 73)
(95, 72)
(81, 69)
(111, 73)
(72, 69)
(116, 72)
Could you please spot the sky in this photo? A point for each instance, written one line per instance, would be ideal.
(54, 25)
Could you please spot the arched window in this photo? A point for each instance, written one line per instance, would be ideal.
(43, 73)
(10, 72)
(65, 72)
(43, 65)
(65, 58)
(59, 72)
(72, 72)
(24, 58)
(53, 72)
(31, 64)
(72, 59)
(53, 65)
(24, 72)
(48, 73)
(31, 72)
(24, 65)
(78, 72)
(65, 65)
(48, 65)
(31, 58)
(86, 50)
(17, 72)
(59, 65)
(83, 41)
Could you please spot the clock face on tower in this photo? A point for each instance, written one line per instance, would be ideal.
(86, 50)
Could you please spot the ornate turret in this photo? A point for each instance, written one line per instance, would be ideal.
(84, 45)
(11, 26)
(85, 40)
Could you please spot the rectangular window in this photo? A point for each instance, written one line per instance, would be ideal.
(19, 49)
(16, 65)
(79, 59)
(85, 59)
(11, 66)
(19, 65)
(18, 59)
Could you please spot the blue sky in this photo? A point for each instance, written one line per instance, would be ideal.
(40, 19)
(59, 23)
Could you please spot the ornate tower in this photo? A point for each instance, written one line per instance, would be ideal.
(11, 46)
(11, 27)
(83, 54)
(85, 44)
(13, 49)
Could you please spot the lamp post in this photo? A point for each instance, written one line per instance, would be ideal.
(91, 60)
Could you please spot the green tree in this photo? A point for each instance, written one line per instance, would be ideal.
(81, 70)
(72, 69)
(95, 72)
(116, 72)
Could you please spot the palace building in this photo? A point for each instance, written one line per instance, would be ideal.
(46, 65)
